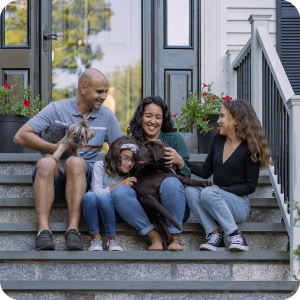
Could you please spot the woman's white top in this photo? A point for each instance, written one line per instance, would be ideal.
(101, 181)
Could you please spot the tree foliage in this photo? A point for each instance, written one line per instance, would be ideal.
(16, 23)
(76, 23)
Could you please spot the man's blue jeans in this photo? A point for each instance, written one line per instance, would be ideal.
(103, 205)
(172, 199)
(212, 204)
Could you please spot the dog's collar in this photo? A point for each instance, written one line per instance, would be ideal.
(170, 168)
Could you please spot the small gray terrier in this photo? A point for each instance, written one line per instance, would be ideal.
(74, 136)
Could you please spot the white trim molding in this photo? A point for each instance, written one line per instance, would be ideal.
(213, 44)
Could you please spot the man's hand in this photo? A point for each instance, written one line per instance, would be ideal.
(172, 157)
(27, 138)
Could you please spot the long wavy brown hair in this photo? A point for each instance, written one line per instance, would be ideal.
(249, 129)
(112, 157)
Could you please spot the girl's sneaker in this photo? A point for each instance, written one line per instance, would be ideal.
(96, 245)
(215, 242)
(238, 242)
(113, 245)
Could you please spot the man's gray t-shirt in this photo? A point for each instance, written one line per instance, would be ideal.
(103, 122)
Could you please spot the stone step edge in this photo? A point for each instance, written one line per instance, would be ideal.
(126, 228)
(220, 256)
(29, 202)
(170, 286)
(27, 180)
(34, 157)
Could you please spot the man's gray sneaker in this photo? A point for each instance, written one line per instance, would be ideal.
(113, 245)
(96, 245)
(44, 240)
(73, 240)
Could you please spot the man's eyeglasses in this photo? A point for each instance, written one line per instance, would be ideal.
(126, 159)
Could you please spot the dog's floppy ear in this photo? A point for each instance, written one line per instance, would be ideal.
(90, 134)
(158, 151)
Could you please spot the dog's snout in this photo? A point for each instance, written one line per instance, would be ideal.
(76, 140)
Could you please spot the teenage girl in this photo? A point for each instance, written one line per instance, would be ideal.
(116, 169)
(237, 153)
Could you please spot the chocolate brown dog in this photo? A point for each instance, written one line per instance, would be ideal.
(149, 179)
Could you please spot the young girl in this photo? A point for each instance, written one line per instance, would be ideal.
(237, 153)
(115, 170)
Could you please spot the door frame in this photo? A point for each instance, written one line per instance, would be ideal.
(41, 18)
(147, 48)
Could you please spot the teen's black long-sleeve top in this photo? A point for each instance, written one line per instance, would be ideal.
(238, 175)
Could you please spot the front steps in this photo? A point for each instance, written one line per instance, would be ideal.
(135, 273)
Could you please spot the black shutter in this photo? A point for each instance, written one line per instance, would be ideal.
(288, 41)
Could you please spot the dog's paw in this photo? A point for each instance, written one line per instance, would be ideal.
(207, 183)
(54, 157)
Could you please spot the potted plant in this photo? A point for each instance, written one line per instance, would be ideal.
(15, 113)
(201, 110)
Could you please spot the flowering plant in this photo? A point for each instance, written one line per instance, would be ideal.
(197, 108)
(26, 107)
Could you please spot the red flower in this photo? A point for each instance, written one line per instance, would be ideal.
(227, 98)
(205, 85)
(214, 98)
(205, 116)
(6, 86)
(174, 115)
(204, 94)
(26, 103)
(13, 112)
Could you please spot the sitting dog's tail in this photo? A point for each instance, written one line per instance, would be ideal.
(149, 201)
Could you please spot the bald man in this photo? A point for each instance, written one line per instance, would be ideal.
(49, 184)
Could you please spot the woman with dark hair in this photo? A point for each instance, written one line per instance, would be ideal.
(237, 153)
(116, 170)
(151, 121)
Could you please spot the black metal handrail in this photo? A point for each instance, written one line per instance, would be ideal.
(244, 78)
(276, 126)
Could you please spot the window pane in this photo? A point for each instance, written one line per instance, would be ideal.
(101, 34)
(178, 25)
(16, 17)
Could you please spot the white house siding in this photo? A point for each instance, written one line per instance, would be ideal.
(225, 26)
(238, 27)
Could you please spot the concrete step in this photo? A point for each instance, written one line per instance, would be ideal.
(160, 290)
(27, 179)
(29, 203)
(22, 210)
(25, 191)
(60, 215)
(126, 228)
(136, 256)
(21, 236)
(11, 241)
(147, 267)
(31, 158)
